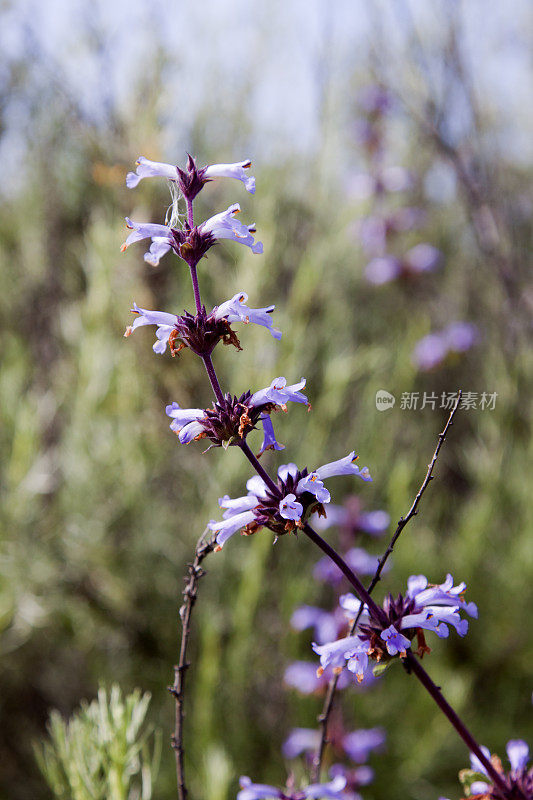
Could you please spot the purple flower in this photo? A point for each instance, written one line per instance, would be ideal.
(269, 439)
(519, 777)
(422, 258)
(300, 740)
(150, 169)
(351, 651)
(228, 527)
(326, 625)
(359, 744)
(161, 236)
(344, 466)
(236, 310)
(224, 226)
(382, 269)
(433, 596)
(280, 394)
(350, 517)
(315, 791)
(518, 754)
(165, 325)
(357, 559)
(185, 422)
(375, 523)
(236, 506)
(431, 350)
(302, 676)
(396, 642)
(237, 171)
(289, 508)
(460, 336)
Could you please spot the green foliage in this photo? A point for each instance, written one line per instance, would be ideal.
(102, 752)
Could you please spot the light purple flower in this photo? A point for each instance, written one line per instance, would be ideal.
(280, 394)
(300, 740)
(344, 466)
(351, 606)
(256, 485)
(460, 336)
(185, 421)
(165, 325)
(375, 523)
(312, 484)
(422, 258)
(149, 169)
(290, 508)
(431, 350)
(350, 517)
(444, 594)
(228, 527)
(237, 505)
(396, 642)
(359, 744)
(315, 791)
(236, 310)
(237, 171)
(269, 438)
(357, 559)
(382, 269)
(302, 676)
(518, 754)
(326, 625)
(225, 226)
(161, 236)
(335, 654)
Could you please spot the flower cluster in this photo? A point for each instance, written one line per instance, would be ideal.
(316, 791)
(454, 339)
(299, 493)
(425, 606)
(478, 784)
(357, 746)
(202, 332)
(232, 418)
(383, 227)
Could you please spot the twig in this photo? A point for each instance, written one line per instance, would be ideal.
(323, 718)
(194, 573)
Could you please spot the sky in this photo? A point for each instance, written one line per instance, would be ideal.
(290, 62)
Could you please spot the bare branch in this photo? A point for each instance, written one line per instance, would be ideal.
(190, 593)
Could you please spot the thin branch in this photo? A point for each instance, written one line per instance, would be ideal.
(190, 593)
(323, 718)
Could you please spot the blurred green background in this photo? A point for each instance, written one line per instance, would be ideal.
(101, 507)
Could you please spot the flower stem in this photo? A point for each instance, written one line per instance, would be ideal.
(195, 287)
(375, 611)
(414, 666)
(210, 369)
(261, 471)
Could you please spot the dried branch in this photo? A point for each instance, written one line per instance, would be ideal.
(323, 718)
(190, 593)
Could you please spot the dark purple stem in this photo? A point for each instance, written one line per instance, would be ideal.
(261, 471)
(208, 364)
(417, 668)
(192, 267)
(196, 288)
(375, 611)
